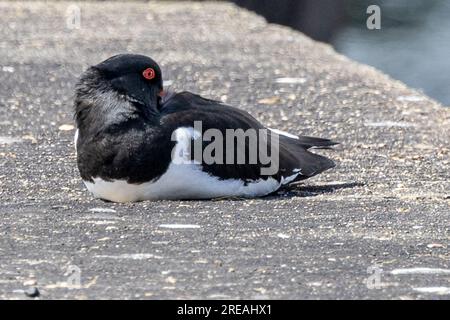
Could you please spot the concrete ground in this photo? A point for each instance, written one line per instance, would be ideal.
(376, 226)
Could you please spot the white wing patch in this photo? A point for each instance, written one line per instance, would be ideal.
(183, 181)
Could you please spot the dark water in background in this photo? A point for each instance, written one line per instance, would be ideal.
(413, 44)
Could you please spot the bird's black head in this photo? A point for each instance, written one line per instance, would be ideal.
(135, 76)
(120, 88)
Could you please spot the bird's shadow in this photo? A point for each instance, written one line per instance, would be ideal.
(301, 190)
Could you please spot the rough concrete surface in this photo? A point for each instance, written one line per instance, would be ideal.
(386, 204)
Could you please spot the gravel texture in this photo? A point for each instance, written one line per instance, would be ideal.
(381, 216)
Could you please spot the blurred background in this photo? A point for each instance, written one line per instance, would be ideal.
(413, 44)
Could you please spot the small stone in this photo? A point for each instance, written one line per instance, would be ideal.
(8, 69)
(30, 138)
(30, 283)
(271, 100)
(171, 280)
(102, 210)
(315, 284)
(201, 261)
(260, 290)
(291, 80)
(32, 292)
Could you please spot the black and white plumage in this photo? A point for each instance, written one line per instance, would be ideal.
(124, 146)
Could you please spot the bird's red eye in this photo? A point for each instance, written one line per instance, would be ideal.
(149, 73)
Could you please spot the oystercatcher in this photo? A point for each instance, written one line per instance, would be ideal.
(131, 136)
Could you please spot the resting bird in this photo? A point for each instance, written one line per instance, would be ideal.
(136, 142)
